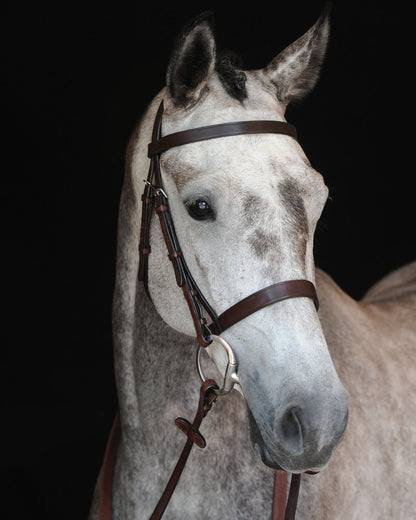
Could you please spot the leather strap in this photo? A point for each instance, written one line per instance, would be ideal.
(292, 500)
(207, 397)
(282, 510)
(155, 196)
(260, 299)
(279, 495)
(203, 133)
(148, 199)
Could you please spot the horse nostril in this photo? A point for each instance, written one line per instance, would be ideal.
(290, 431)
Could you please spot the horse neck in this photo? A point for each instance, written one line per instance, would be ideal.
(155, 369)
(354, 329)
(150, 357)
(359, 334)
(341, 318)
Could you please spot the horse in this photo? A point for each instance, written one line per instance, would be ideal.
(329, 391)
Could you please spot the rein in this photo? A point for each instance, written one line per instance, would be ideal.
(155, 198)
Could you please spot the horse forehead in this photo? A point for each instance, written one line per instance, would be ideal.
(217, 106)
(251, 164)
(259, 154)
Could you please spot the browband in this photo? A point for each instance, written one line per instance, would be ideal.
(203, 133)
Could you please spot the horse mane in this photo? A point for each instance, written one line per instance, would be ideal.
(233, 79)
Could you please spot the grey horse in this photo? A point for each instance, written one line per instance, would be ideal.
(245, 210)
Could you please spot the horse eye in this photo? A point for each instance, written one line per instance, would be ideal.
(199, 209)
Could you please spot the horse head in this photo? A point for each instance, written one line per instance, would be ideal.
(245, 209)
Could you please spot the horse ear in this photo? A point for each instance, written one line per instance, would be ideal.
(295, 71)
(192, 61)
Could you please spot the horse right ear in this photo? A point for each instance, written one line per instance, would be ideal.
(294, 72)
(192, 61)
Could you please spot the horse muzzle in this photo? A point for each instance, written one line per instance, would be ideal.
(301, 438)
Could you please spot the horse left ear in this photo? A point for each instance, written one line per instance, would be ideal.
(295, 71)
(192, 61)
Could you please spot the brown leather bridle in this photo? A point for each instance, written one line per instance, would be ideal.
(155, 197)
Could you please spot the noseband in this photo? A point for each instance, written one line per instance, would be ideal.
(155, 196)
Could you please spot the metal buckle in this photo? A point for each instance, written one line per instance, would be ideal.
(230, 376)
(156, 191)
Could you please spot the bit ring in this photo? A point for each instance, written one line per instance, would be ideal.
(230, 376)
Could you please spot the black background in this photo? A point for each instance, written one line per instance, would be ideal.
(77, 78)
